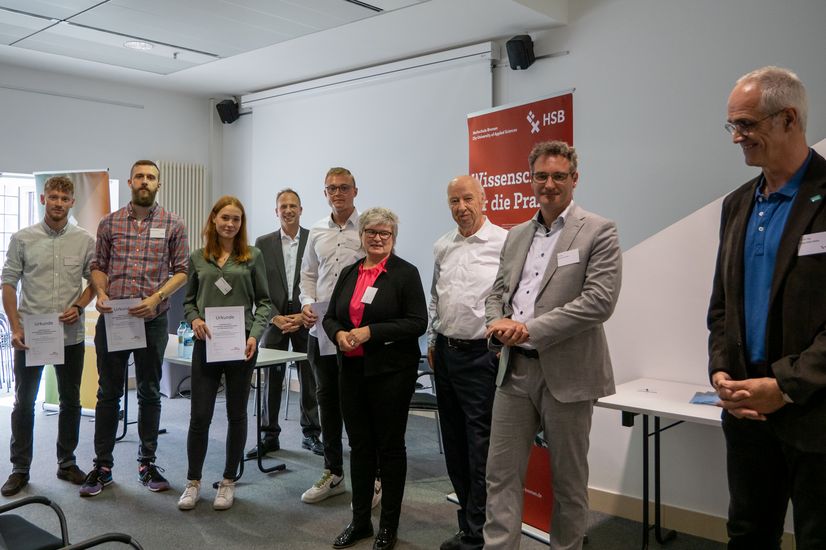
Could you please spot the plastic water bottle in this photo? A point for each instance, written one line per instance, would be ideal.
(189, 342)
(181, 330)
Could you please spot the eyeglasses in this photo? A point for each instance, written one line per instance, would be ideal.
(557, 177)
(383, 235)
(746, 127)
(333, 189)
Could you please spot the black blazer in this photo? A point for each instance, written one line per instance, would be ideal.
(796, 327)
(270, 246)
(397, 316)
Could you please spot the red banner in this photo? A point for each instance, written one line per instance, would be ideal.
(500, 141)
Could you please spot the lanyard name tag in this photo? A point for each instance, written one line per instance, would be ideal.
(223, 286)
(813, 243)
(157, 232)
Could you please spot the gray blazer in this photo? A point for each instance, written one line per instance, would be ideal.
(572, 303)
(270, 245)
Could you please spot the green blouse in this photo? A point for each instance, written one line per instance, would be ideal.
(249, 289)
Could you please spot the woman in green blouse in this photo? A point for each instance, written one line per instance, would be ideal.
(227, 271)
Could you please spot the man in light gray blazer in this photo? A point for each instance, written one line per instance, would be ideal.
(558, 281)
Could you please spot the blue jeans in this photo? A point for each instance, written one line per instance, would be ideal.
(111, 373)
(26, 384)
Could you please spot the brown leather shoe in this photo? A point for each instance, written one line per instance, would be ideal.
(72, 474)
(13, 485)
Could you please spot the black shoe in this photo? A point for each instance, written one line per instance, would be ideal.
(385, 540)
(268, 446)
(313, 443)
(352, 534)
(17, 481)
(72, 474)
(453, 542)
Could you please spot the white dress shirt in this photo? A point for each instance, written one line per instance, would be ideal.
(329, 249)
(289, 247)
(463, 274)
(542, 246)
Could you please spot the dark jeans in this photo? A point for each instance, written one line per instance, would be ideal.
(111, 373)
(206, 378)
(274, 381)
(465, 386)
(26, 384)
(329, 406)
(763, 473)
(375, 411)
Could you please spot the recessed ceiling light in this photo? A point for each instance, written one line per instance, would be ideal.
(138, 45)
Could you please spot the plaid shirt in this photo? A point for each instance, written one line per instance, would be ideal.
(140, 258)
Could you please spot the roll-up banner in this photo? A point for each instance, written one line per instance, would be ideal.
(500, 140)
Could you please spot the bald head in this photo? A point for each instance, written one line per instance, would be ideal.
(466, 199)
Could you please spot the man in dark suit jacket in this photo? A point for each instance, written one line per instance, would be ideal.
(280, 248)
(767, 319)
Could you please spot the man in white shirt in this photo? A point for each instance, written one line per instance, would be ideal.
(466, 262)
(332, 245)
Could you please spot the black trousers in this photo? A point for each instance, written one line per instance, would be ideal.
(763, 474)
(206, 379)
(375, 413)
(274, 381)
(465, 386)
(329, 405)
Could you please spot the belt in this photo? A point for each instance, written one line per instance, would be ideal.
(459, 343)
(529, 353)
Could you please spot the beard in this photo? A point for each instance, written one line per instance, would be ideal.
(143, 199)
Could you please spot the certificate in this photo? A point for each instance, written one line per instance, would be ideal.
(123, 331)
(325, 345)
(228, 342)
(44, 336)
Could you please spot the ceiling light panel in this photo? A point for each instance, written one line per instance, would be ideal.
(55, 9)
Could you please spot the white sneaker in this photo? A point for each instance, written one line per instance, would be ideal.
(226, 495)
(190, 495)
(376, 493)
(329, 485)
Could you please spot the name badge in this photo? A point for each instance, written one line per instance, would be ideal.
(813, 243)
(369, 294)
(568, 257)
(157, 232)
(71, 260)
(223, 286)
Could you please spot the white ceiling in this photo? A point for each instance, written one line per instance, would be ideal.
(233, 47)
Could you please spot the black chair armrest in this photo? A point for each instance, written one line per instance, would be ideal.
(102, 539)
(64, 530)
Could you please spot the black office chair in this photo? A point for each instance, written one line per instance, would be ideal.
(18, 533)
(424, 400)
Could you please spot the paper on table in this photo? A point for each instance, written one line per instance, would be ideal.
(325, 346)
(44, 337)
(124, 331)
(228, 342)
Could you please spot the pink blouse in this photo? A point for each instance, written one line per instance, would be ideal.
(367, 278)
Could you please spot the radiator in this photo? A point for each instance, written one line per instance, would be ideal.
(183, 191)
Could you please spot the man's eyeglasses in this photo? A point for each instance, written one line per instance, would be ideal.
(746, 127)
(383, 235)
(333, 189)
(557, 177)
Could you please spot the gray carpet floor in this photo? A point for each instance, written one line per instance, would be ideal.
(268, 512)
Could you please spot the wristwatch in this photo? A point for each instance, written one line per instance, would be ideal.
(79, 308)
(163, 295)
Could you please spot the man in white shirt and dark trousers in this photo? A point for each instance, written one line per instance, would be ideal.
(332, 245)
(466, 262)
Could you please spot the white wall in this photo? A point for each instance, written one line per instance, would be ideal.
(101, 124)
(652, 78)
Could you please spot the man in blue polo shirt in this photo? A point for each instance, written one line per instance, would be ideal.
(767, 319)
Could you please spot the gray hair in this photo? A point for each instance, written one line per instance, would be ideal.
(779, 89)
(379, 216)
(553, 149)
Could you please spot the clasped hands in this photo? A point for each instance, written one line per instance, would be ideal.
(752, 398)
(348, 341)
(508, 332)
(288, 323)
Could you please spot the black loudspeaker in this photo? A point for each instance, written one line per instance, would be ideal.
(228, 111)
(520, 52)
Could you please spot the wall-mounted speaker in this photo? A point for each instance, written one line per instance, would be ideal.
(228, 111)
(520, 52)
